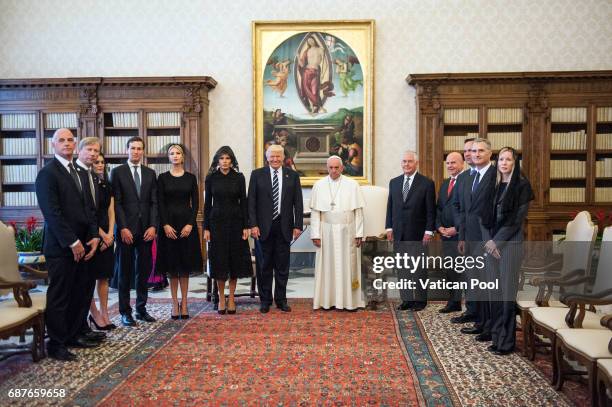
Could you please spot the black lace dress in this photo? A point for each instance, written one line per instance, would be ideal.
(178, 206)
(225, 216)
(103, 263)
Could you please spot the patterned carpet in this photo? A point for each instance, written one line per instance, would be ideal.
(303, 358)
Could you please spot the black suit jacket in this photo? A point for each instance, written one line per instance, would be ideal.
(69, 213)
(447, 211)
(412, 218)
(132, 212)
(471, 205)
(260, 202)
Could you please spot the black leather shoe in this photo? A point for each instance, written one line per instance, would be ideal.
(503, 352)
(94, 335)
(471, 330)
(284, 307)
(405, 305)
(418, 306)
(492, 348)
(145, 317)
(62, 354)
(127, 320)
(483, 337)
(264, 309)
(82, 342)
(448, 309)
(463, 318)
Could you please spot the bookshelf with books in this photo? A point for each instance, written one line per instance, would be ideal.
(603, 155)
(560, 122)
(19, 155)
(162, 110)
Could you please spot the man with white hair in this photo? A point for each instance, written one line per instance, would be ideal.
(411, 216)
(337, 230)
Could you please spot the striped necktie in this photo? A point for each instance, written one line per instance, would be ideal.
(275, 195)
(406, 188)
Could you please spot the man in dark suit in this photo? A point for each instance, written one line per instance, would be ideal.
(88, 152)
(445, 225)
(135, 192)
(411, 215)
(469, 315)
(470, 236)
(276, 218)
(70, 227)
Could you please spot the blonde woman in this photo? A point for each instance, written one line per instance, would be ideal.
(104, 261)
(178, 251)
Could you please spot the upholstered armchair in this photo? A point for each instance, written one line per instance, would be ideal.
(17, 314)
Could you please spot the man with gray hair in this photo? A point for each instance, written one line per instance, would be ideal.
(411, 216)
(88, 151)
(336, 225)
(70, 226)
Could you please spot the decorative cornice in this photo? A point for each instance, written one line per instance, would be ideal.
(549, 76)
(206, 81)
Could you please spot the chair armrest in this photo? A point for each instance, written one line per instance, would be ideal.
(555, 264)
(20, 291)
(601, 298)
(556, 280)
(607, 321)
(31, 271)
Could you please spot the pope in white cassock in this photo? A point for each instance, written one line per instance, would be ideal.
(336, 224)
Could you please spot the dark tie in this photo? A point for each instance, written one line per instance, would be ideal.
(406, 188)
(275, 195)
(75, 177)
(92, 187)
(451, 185)
(137, 180)
(476, 181)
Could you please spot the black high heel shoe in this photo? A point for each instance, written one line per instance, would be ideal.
(184, 316)
(231, 311)
(224, 310)
(98, 327)
(175, 317)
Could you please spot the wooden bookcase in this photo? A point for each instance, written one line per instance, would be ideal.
(161, 110)
(561, 123)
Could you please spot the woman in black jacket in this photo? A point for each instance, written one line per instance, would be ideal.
(502, 232)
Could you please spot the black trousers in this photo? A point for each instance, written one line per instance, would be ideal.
(64, 300)
(417, 295)
(134, 263)
(273, 258)
(449, 248)
(86, 285)
(475, 303)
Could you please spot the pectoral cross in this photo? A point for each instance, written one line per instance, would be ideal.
(333, 204)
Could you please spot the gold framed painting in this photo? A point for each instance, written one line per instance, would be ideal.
(314, 95)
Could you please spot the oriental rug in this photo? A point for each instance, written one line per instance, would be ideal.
(305, 357)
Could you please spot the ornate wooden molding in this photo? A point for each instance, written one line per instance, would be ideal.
(89, 100)
(538, 101)
(429, 98)
(549, 76)
(193, 103)
(205, 81)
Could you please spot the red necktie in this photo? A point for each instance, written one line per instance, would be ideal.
(451, 185)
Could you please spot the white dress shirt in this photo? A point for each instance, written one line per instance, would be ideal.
(280, 184)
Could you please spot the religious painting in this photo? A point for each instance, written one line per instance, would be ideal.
(313, 86)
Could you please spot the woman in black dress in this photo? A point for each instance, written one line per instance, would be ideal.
(225, 225)
(178, 247)
(502, 232)
(103, 262)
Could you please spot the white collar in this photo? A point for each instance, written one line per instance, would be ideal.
(335, 181)
(131, 164)
(410, 177)
(82, 165)
(280, 170)
(62, 160)
(484, 169)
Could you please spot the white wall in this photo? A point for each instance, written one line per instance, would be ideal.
(63, 38)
